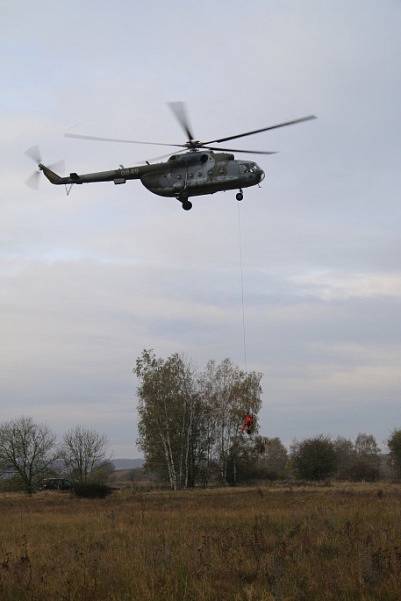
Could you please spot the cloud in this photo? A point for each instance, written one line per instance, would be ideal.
(88, 280)
(331, 286)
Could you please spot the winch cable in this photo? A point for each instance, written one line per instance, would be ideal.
(242, 287)
(248, 421)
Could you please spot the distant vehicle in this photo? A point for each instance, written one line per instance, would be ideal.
(194, 170)
(56, 484)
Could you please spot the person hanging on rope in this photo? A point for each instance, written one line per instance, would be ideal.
(247, 423)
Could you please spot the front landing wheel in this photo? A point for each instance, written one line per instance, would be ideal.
(239, 196)
(187, 205)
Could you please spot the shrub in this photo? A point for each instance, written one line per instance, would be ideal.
(363, 470)
(11, 485)
(314, 458)
(92, 490)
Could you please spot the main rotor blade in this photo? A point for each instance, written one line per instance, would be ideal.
(239, 150)
(98, 139)
(181, 115)
(34, 153)
(258, 131)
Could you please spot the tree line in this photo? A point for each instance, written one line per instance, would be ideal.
(30, 451)
(190, 431)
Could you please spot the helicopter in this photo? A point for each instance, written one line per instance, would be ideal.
(195, 170)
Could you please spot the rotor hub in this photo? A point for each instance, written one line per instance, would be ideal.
(192, 144)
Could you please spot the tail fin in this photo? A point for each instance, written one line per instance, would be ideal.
(51, 176)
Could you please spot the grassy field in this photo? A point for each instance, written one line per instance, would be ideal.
(259, 543)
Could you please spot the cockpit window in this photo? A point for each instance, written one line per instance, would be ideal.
(249, 168)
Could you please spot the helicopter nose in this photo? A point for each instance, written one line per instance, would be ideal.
(261, 175)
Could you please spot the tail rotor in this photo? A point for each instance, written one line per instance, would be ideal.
(34, 154)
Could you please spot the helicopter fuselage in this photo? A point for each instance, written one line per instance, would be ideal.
(198, 173)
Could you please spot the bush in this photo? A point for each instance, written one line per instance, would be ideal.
(11, 485)
(363, 470)
(314, 458)
(92, 490)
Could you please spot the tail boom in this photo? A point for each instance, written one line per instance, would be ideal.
(119, 176)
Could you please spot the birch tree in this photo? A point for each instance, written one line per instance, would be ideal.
(229, 393)
(166, 407)
(189, 423)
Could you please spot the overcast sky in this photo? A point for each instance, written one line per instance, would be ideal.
(89, 280)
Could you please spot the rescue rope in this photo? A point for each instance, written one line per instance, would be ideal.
(248, 420)
(242, 286)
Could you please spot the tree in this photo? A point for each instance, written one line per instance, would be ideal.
(83, 452)
(260, 458)
(394, 444)
(189, 424)
(366, 445)
(228, 394)
(366, 464)
(167, 405)
(314, 458)
(271, 457)
(29, 448)
(345, 457)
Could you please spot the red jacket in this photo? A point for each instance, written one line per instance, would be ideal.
(247, 423)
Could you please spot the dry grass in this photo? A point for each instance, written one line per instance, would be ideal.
(339, 543)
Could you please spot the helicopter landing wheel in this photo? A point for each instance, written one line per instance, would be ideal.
(187, 205)
(239, 195)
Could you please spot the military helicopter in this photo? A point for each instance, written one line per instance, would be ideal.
(195, 170)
